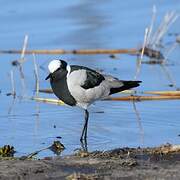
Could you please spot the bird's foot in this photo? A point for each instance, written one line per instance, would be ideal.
(84, 143)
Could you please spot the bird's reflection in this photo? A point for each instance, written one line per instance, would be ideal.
(139, 122)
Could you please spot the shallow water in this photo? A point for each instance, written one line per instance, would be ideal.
(30, 126)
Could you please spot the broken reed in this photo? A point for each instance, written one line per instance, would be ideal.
(163, 93)
(157, 95)
(142, 98)
(48, 100)
(149, 52)
(36, 75)
(124, 98)
(80, 51)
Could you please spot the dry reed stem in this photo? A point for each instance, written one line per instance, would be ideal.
(129, 91)
(167, 21)
(24, 49)
(20, 62)
(36, 75)
(142, 98)
(144, 44)
(13, 84)
(29, 156)
(49, 91)
(173, 46)
(125, 98)
(80, 51)
(168, 75)
(154, 10)
(139, 60)
(47, 100)
(164, 93)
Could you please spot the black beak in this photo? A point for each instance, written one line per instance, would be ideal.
(49, 76)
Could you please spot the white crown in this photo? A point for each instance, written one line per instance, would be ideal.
(54, 65)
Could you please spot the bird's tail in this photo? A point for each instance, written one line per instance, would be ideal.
(124, 86)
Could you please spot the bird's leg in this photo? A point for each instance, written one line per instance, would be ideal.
(84, 131)
(86, 119)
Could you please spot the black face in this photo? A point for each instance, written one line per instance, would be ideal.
(63, 64)
(59, 73)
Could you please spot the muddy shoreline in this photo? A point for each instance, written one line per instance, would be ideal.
(131, 163)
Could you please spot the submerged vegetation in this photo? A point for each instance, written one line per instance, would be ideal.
(7, 151)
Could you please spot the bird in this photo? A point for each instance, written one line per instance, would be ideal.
(81, 86)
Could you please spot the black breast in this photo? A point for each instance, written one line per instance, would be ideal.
(60, 89)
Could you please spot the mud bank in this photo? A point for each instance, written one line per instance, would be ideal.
(131, 163)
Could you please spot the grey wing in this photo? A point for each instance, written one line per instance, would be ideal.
(93, 78)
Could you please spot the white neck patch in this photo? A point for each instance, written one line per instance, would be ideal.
(68, 68)
(54, 65)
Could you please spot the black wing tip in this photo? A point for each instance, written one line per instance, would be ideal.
(127, 85)
(132, 84)
(138, 82)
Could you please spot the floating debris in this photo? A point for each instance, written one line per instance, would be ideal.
(100, 112)
(152, 53)
(57, 147)
(112, 56)
(11, 94)
(8, 94)
(153, 61)
(178, 39)
(58, 137)
(15, 63)
(49, 91)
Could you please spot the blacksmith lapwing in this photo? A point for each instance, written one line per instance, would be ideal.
(81, 86)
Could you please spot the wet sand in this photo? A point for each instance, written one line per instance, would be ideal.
(123, 163)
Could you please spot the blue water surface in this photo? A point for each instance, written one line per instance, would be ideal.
(30, 125)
